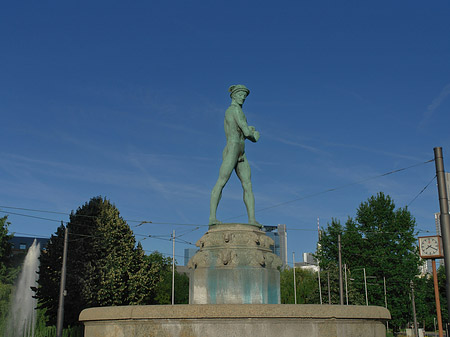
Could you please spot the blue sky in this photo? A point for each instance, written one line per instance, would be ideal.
(126, 100)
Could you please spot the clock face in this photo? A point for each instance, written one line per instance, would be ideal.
(429, 246)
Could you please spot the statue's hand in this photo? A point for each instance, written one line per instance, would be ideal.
(256, 135)
(252, 128)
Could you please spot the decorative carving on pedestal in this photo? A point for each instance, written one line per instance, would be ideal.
(234, 265)
(233, 245)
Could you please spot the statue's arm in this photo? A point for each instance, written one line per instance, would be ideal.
(248, 131)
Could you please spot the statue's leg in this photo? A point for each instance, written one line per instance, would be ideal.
(228, 164)
(244, 174)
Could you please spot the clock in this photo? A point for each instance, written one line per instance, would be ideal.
(430, 247)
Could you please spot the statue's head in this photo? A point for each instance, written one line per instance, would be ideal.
(239, 93)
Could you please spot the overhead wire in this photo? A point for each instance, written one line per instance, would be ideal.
(161, 237)
(29, 216)
(423, 189)
(141, 222)
(259, 210)
(336, 188)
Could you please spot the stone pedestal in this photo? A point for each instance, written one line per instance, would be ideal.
(237, 320)
(235, 265)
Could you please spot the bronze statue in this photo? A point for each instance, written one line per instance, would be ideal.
(236, 131)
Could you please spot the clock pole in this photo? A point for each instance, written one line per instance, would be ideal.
(444, 217)
(436, 295)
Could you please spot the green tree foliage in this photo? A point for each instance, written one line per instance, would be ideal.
(382, 240)
(164, 289)
(161, 293)
(425, 299)
(42, 329)
(104, 265)
(307, 286)
(5, 249)
(7, 272)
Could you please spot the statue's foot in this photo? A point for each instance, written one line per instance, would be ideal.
(214, 221)
(253, 222)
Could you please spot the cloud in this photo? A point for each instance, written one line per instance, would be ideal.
(300, 145)
(435, 104)
(376, 151)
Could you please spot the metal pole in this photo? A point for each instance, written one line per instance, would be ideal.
(62, 287)
(434, 321)
(414, 309)
(173, 267)
(320, 286)
(385, 299)
(295, 284)
(329, 291)
(341, 285)
(444, 217)
(346, 285)
(365, 286)
(436, 295)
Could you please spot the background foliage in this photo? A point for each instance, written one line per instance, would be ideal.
(382, 240)
(104, 265)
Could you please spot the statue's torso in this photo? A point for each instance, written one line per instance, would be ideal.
(232, 130)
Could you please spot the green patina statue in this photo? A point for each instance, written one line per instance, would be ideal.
(236, 131)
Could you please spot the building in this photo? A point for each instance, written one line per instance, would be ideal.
(309, 263)
(188, 253)
(279, 235)
(309, 259)
(20, 244)
(426, 268)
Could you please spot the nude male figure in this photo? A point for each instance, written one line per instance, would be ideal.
(236, 131)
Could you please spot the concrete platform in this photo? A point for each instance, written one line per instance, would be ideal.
(235, 320)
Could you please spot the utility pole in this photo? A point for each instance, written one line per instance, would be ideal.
(295, 284)
(346, 285)
(173, 267)
(365, 286)
(436, 296)
(416, 333)
(62, 287)
(341, 285)
(444, 217)
(385, 300)
(320, 286)
(329, 290)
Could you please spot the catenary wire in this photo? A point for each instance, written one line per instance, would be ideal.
(259, 210)
(335, 188)
(423, 189)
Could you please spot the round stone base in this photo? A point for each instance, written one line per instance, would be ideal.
(240, 320)
(234, 265)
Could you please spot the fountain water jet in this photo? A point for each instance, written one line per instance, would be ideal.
(22, 315)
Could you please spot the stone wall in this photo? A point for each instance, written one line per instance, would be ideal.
(243, 320)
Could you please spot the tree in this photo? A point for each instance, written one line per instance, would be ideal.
(381, 239)
(5, 248)
(425, 299)
(162, 292)
(307, 286)
(7, 273)
(104, 265)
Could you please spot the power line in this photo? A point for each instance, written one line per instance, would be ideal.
(423, 189)
(30, 216)
(37, 236)
(160, 237)
(141, 222)
(336, 188)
